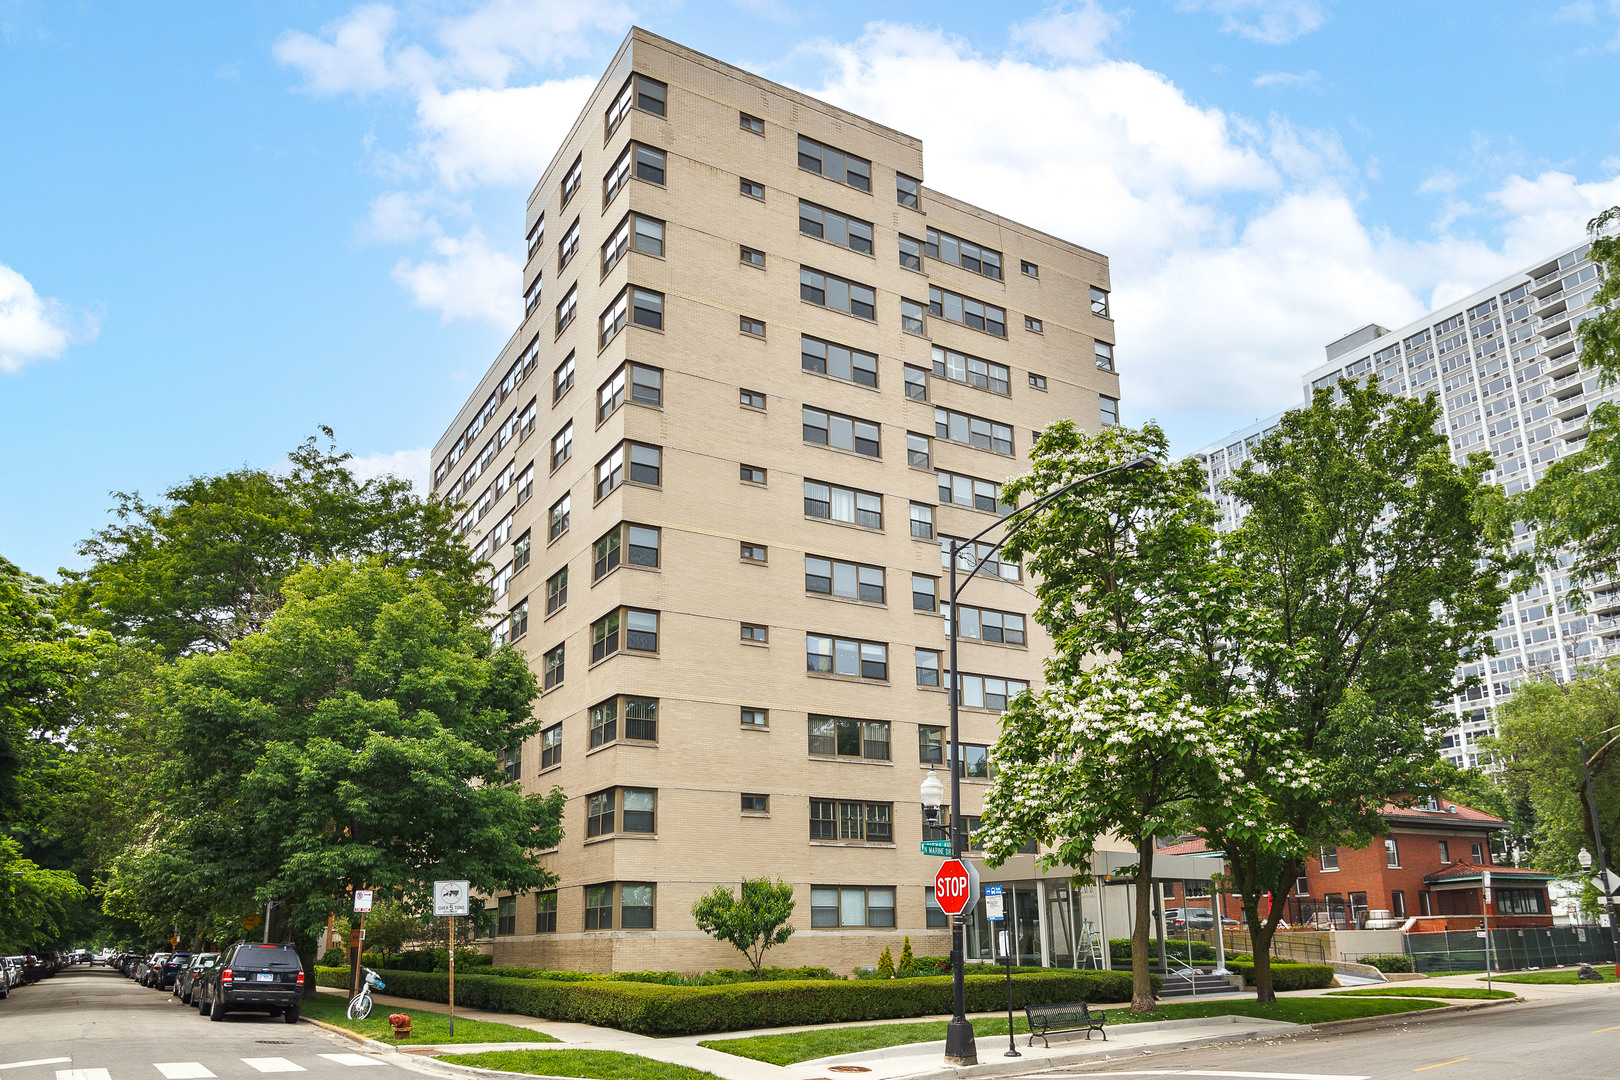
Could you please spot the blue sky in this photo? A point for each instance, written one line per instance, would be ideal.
(222, 225)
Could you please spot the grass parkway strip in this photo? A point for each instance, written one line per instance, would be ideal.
(1559, 977)
(1455, 992)
(427, 1027)
(792, 1047)
(593, 1064)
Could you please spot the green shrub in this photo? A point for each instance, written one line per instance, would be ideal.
(1389, 962)
(908, 961)
(933, 965)
(1202, 951)
(652, 1009)
(717, 977)
(336, 956)
(1287, 976)
(885, 967)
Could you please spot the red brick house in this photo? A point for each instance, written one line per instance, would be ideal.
(1428, 866)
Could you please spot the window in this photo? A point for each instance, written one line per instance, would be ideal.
(936, 917)
(835, 164)
(1029, 269)
(1478, 853)
(751, 474)
(986, 624)
(842, 432)
(852, 581)
(646, 388)
(537, 235)
(916, 383)
(1392, 855)
(635, 904)
(964, 253)
(637, 544)
(647, 162)
(1445, 852)
(506, 915)
(639, 92)
(510, 761)
(599, 907)
(1108, 410)
(974, 762)
(856, 822)
(1099, 302)
(557, 591)
(835, 228)
(962, 368)
(531, 296)
(1105, 356)
(911, 316)
(842, 656)
(755, 633)
(751, 189)
(751, 123)
(1328, 857)
(559, 517)
(640, 720)
(838, 361)
(973, 493)
(924, 592)
(988, 692)
(973, 431)
(569, 246)
(910, 252)
(837, 293)
(554, 666)
(974, 314)
(640, 632)
(922, 521)
(645, 467)
(1033, 325)
(551, 747)
(930, 745)
(1520, 902)
(751, 326)
(751, 399)
(1302, 886)
(648, 236)
(562, 380)
(647, 308)
(833, 503)
(520, 619)
(907, 190)
(751, 256)
(756, 804)
(851, 906)
(928, 667)
(760, 718)
(562, 445)
(754, 552)
(520, 552)
(917, 451)
(570, 184)
(1397, 903)
(545, 912)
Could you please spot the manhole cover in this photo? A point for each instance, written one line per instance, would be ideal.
(848, 1068)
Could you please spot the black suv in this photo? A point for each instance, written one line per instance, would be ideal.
(262, 978)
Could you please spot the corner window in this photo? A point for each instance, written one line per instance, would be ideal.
(646, 386)
(537, 235)
(851, 581)
(633, 902)
(639, 716)
(636, 544)
(645, 233)
(531, 295)
(645, 467)
(907, 190)
(835, 164)
(860, 905)
(840, 736)
(838, 361)
(640, 92)
(826, 655)
(554, 661)
(640, 630)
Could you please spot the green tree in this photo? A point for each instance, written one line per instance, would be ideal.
(1379, 564)
(751, 923)
(390, 926)
(1576, 505)
(37, 905)
(207, 566)
(885, 964)
(908, 959)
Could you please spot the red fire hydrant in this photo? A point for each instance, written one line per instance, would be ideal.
(401, 1023)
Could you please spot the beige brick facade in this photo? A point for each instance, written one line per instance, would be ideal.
(703, 674)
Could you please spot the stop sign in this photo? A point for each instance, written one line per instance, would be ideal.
(956, 886)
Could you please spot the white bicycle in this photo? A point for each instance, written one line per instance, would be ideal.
(360, 1004)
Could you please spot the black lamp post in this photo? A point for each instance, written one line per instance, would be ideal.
(959, 1046)
(1603, 860)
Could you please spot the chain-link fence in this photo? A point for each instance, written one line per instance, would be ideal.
(1511, 950)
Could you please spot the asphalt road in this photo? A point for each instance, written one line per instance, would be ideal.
(93, 1024)
(1555, 1040)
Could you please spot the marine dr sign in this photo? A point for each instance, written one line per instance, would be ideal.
(956, 886)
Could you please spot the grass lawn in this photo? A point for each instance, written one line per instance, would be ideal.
(799, 1046)
(1558, 976)
(598, 1064)
(426, 1027)
(1403, 990)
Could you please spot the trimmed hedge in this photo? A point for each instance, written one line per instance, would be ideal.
(1287, 976)
(1120, 949)
(1389, 962)
(651, 1009)
(717, 977)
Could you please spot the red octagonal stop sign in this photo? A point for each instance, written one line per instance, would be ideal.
(956, 886)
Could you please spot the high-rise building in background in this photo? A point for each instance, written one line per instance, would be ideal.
(763, 373)
(1506, 363)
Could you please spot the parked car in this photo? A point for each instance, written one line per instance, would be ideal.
(164, 974)
(149, 967)
(14, 970)
(185, 983)
(259, 978)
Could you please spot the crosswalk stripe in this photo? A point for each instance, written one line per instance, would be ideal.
(350, 1059)
(264, 1065)
(83, 1074)
(36, 1061)
(182, 1070)
(1224, 1073)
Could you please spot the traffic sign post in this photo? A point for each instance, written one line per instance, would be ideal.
(357, 935)
(452, 898)
(993, 899)
(1485, 886)
(936, 847)
(956, 886)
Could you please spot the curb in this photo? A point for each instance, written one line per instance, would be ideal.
(369, 1044)
(1372, 1023)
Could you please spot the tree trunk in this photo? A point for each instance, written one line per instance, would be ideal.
(1264, 992)
(1142, 1000)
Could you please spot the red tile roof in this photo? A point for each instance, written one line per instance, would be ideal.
(1446, 815)
(1186, 847)
(1465, 871)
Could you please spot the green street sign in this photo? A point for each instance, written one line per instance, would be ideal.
(936, 847)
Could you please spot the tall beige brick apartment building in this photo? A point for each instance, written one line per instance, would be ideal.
(763, 371)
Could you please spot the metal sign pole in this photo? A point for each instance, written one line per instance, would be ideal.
(1485, 880)
(452, 976)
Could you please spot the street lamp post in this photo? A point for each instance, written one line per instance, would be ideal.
(959, 1046)
(1603, 860)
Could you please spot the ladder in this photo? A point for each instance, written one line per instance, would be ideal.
(1093, 943)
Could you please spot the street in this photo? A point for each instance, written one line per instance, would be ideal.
(94, 1024)
(1570, 1040)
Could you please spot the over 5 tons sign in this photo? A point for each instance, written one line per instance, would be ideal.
(956, 886)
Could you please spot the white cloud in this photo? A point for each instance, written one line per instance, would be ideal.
(498, 37)
(353, 54)
(1286, 78)
(35, 328)
(409, 465)
(1581, 11)
(471, 279)
(1270, 22)
(1064, 32)
(483, 135)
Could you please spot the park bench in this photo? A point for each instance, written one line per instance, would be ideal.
(1047, 1020)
